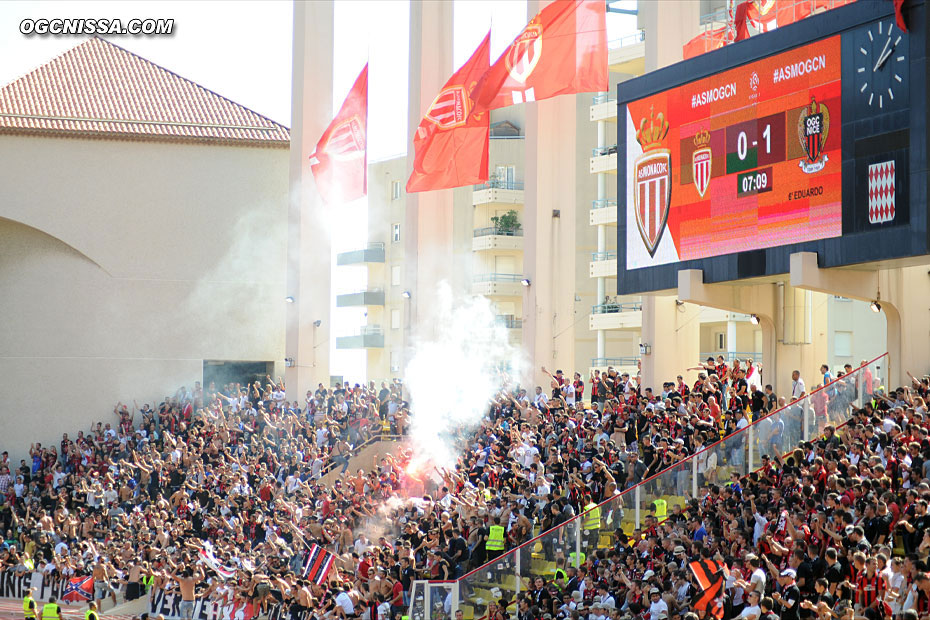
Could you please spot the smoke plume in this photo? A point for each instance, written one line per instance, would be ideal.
(453, 375)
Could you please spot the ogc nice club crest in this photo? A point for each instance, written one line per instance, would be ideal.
(652, 174)
(525, 52)
(813, 127)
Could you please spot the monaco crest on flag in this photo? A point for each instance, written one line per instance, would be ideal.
(562, 50)
(340, 161)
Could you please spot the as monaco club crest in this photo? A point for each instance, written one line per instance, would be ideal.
(347, 141)
(652, 173)
(450, 108)
(701, 161)
(525, 52)
(813, 127)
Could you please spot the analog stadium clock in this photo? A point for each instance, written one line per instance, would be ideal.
(881, 65)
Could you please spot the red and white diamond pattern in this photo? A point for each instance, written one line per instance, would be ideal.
(881, 192)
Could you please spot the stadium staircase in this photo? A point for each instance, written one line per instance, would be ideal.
(506, 576)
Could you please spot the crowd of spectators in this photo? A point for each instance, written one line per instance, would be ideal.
(258, 479)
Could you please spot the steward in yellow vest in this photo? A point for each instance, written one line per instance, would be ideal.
(51, 610)
(495, 543)
(29, 606)
(591, 523)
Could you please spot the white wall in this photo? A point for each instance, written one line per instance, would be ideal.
(123, 265)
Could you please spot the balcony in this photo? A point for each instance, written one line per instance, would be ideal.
(604, 160)
(369, 337)
(497, 285)
(496, 192)
(604, 108)
(374, 253)
(493, 238)
(622, 315)
(362, 298)
(509, 321)
(603, 265)
(603, 212)
(628, 54)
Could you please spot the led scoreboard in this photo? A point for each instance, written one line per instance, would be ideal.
(795, 140)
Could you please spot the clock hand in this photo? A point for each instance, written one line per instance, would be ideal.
(883, 56)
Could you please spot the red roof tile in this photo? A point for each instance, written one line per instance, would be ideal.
(99, 89)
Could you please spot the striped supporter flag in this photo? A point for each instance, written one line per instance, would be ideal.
(318, 563)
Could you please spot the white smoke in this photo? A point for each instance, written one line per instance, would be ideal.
(453, 375)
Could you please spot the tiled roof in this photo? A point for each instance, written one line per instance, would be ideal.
(99, 89)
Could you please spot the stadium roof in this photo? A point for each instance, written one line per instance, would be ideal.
(101, 90)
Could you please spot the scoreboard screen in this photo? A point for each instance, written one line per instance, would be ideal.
(746, 159)
(810, 138)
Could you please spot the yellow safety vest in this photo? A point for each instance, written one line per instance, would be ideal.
(576, 559)
(91, 615)
(50, 610)
(29, 607)
(661, 508)
(28, 563)
(592, 517)
(147, 581)
(495, 539)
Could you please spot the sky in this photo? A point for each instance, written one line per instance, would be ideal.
(242, 50)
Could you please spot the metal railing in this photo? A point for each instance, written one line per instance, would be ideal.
(614, 307)
(498, 184)
(599, 256)
(730, 356)
(377, 437)
(602, 98)
(614, 361)
(371, 330)
(497, 277)
(738, 453)
(601, 151)
(493, 137)
(603, 203)
(494, 230)
(720, 16)
(631, 39)
(509, 322)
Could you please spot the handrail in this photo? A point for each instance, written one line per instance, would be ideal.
(580, 517)
(615, 307)
(497, 277)
(494, 230)
(357, 449)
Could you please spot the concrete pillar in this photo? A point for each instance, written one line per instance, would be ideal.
(672, 331)
(906, 288)
(428, 225)
(669, 24)
(731, 337)
(309, 247)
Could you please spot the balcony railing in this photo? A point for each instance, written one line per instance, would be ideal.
(738, 453)
(631, 39)
(509, 322)
(602, 98)
(498, 184)
(720, 16)
(600, 362)
(494, 230)
(497, 277)
(613, 307)
(600, 151)
(730, 356)
(599, 256)
(370, 330)
(603, 204)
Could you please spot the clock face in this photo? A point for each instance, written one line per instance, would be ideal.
(882, 65)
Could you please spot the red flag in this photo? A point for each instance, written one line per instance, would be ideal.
(562, 50)
(78, 589)
(317, 565)
(899, 14)
(704, 42)
(451, 142)
(340, 162)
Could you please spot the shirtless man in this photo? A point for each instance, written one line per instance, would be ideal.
(103, 572)
(187, 580)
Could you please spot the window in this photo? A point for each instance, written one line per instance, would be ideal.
(395, 190)
(842, 344)
(506, 176)
(395, 275)
(395, 319)
(395, 232)
(721, 340)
